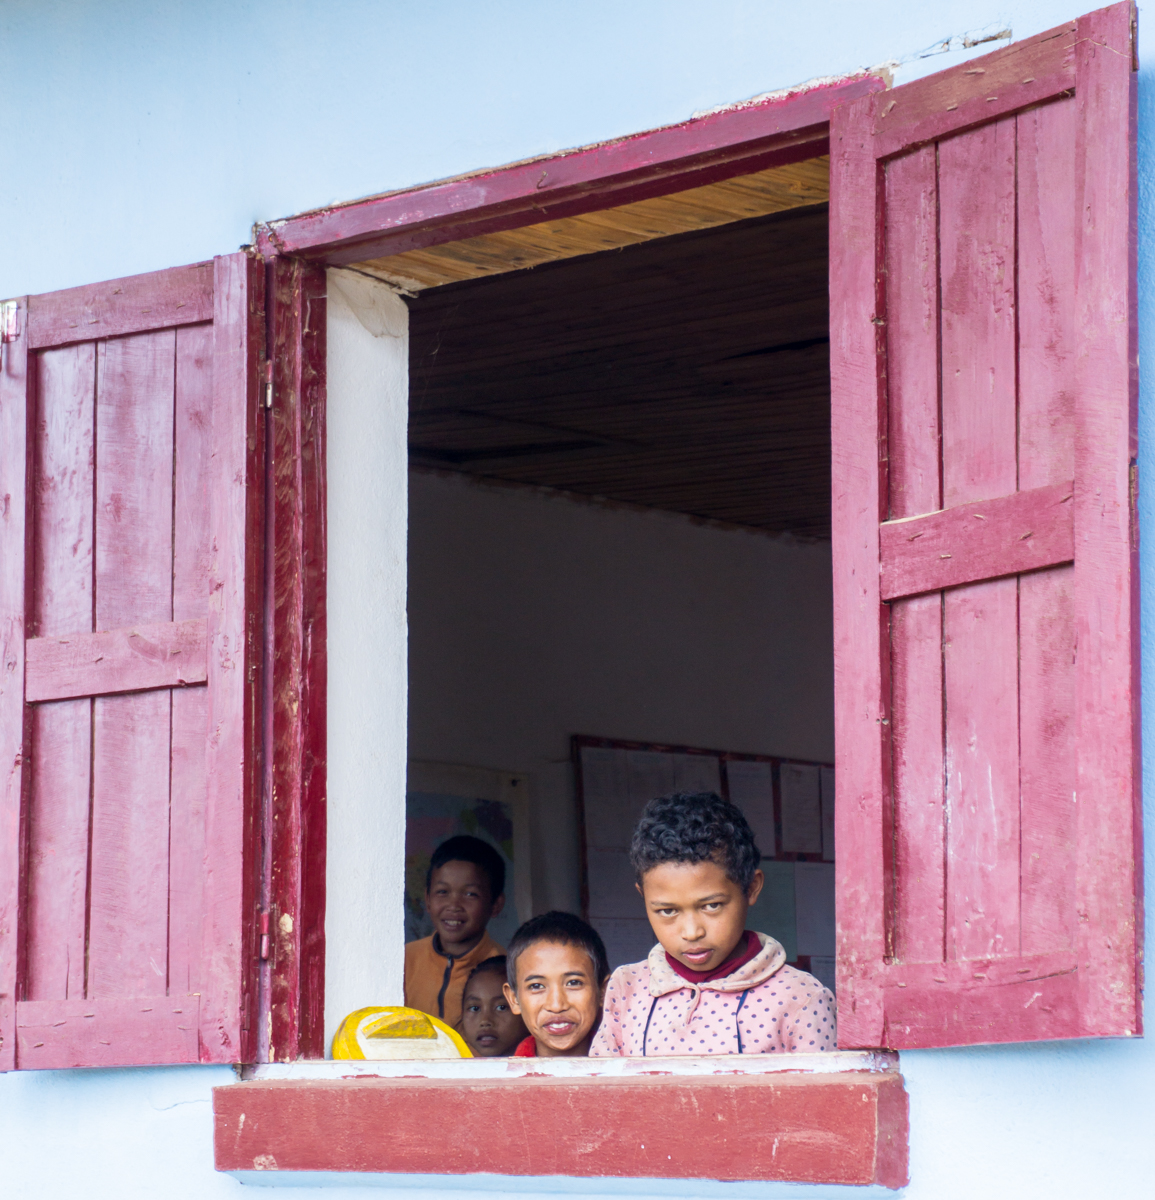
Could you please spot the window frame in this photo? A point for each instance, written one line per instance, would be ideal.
(297, 250)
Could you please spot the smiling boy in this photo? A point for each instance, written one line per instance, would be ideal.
(557, 971)
(710, 985)
(464, 891)
(489, 1025)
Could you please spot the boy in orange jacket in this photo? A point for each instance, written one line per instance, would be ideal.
(464, 891)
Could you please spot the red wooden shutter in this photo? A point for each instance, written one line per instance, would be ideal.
(130, 501)
(984, 370)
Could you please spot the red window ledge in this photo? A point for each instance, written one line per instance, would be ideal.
(834, 1118)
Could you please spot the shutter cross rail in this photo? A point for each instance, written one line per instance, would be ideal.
(968, 543)
(173, 654)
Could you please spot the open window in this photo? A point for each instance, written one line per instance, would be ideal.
(619, 544)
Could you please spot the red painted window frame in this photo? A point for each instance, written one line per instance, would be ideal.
(719, 146)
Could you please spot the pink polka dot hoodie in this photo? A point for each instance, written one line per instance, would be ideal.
(764, 1007)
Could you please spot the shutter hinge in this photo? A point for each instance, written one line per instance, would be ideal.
(269, 384)
(10, 320)
(264, 936)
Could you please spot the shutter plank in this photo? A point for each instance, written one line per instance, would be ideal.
(1024, 73)
(863, 750)
(969, 543)
(120, 306)
(192, 471)
(228, 1034)
(1109, 822)
(1048, 340)
(980, 635)
(1047, 737)
(116, 660)
(108, 1033)
(915, 486)
(982, 769)
(128, 923)
(14, 436)
(61, 600)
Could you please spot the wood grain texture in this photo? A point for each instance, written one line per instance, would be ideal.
(158, 299)
(968, 543)
(172, 654)
(977, 91)
(107, 1033)
(1040, 922)
(1018, 999)
(916, 879)
(981, 736)
(1048, 730)
(229, 948)
(837, 1128)
(980, 622)
(128, 891)
(718, 146)
(14, 437)
(1109, 855)
(296, 687)
(61, 598)
(754, 195)
(861, 689)
(192, 469)
(1048, 342)
(675, 380)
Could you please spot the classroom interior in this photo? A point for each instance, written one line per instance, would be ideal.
(619, 546)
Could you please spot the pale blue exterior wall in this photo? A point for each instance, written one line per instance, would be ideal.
(140, 135)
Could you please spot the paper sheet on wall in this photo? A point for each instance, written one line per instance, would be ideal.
(814, 906)
(801, 809)
(752, 790)
(627, 941)
(774, 910)
(697, 773)
(827, 776)
(609, 817)
(611, 883)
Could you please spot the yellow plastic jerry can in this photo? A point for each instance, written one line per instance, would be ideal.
(390, 1031)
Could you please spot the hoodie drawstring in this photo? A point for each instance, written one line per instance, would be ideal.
(737, 1023)
(646, 1034)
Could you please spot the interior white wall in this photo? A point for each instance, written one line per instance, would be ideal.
(533, 616)
(366, 460)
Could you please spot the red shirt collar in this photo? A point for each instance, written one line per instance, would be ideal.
(743, 952)
(526, 1048)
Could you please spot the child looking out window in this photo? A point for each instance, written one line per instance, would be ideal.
(710, 985)
(488, 1023)
(464, 891)
(557, 971)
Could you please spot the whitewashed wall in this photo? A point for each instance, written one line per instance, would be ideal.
(139, 135)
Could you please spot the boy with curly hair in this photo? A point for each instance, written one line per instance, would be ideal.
(710, 985)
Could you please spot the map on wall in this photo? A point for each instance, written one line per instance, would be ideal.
(433, 816)
(790, 808)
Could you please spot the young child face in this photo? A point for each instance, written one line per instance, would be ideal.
(460, 906)
(558, 998)
(697, 911)
(488, 1023)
